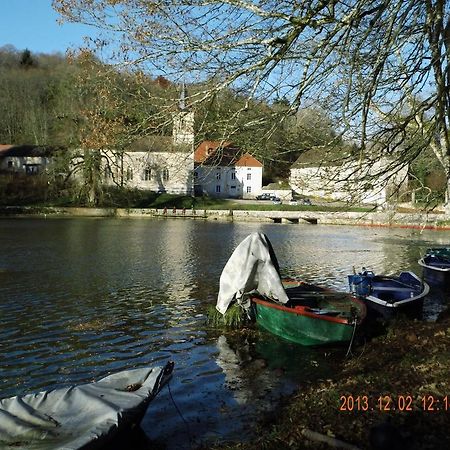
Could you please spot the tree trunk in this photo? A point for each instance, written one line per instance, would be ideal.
(92, 176)
(447, 197)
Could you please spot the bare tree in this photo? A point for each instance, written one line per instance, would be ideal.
(380, 68)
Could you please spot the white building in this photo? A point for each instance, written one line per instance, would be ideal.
(371, 180)
(153, 164)
(25, 159)
(223, 170)
(157, 163)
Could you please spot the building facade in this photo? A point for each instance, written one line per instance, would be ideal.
(157, 163)
(223, 170)
(25, 159)
(151, 164)
(367, 181)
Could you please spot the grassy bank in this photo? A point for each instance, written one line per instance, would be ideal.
(396, 385)
(153, 200)
(116, 198)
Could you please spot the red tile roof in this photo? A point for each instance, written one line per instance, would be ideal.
(207, 148)
(248, 160)
(223, 153)
(5, 147)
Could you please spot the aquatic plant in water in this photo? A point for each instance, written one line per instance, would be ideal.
(235, 317)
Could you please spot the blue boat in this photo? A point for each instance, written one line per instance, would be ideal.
(387, 296)
(436, 265)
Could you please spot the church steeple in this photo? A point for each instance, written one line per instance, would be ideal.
(183, 121)
(182, 101)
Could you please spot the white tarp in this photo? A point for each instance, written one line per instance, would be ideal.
(79, 417)
(251, 267)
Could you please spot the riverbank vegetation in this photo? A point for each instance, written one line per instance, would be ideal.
(35, 191)
(394, 387)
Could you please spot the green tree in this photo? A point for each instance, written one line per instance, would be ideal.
(26, 60)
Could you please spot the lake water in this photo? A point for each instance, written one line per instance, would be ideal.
(81, 298)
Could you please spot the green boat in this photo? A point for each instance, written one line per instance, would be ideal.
(297, 311)
(313, 316)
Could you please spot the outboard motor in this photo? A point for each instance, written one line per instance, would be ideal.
(361, 283)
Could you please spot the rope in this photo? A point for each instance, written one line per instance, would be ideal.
(181, 415)
(349, 351)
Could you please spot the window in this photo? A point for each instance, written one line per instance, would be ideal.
(165, 174)
(147, 174)
(218, 176)
(10, 164)
(249, 189)
(31, 169)
(218, 189)
(233, 175)
(249, 176)
(233, 187)
(129, 174)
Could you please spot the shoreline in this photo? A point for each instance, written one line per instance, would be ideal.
(405, 389)
(416, 220)
(393, 389)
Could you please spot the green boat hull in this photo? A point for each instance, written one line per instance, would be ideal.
(302, 329)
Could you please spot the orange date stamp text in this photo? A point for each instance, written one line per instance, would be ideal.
(387, 403)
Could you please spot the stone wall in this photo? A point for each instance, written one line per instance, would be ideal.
(386, 218)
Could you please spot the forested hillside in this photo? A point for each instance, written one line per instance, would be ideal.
(55, 100)
(77, 101)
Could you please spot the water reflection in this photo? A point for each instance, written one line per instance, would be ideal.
(237, 366)
(80, 298)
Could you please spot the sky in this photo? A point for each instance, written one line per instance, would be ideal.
(33, 24)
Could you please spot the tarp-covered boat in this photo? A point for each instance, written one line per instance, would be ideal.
(436, 265)
(84, 417)
(297, 311)
(387, 296)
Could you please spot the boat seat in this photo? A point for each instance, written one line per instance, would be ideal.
(392, 288)
(325, 312)
(302, 301)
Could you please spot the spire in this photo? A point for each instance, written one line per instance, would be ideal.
(182, 103)
(183, 121)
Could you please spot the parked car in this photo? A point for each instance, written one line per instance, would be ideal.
(265, 196)
(276, 201)
(303, 201)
